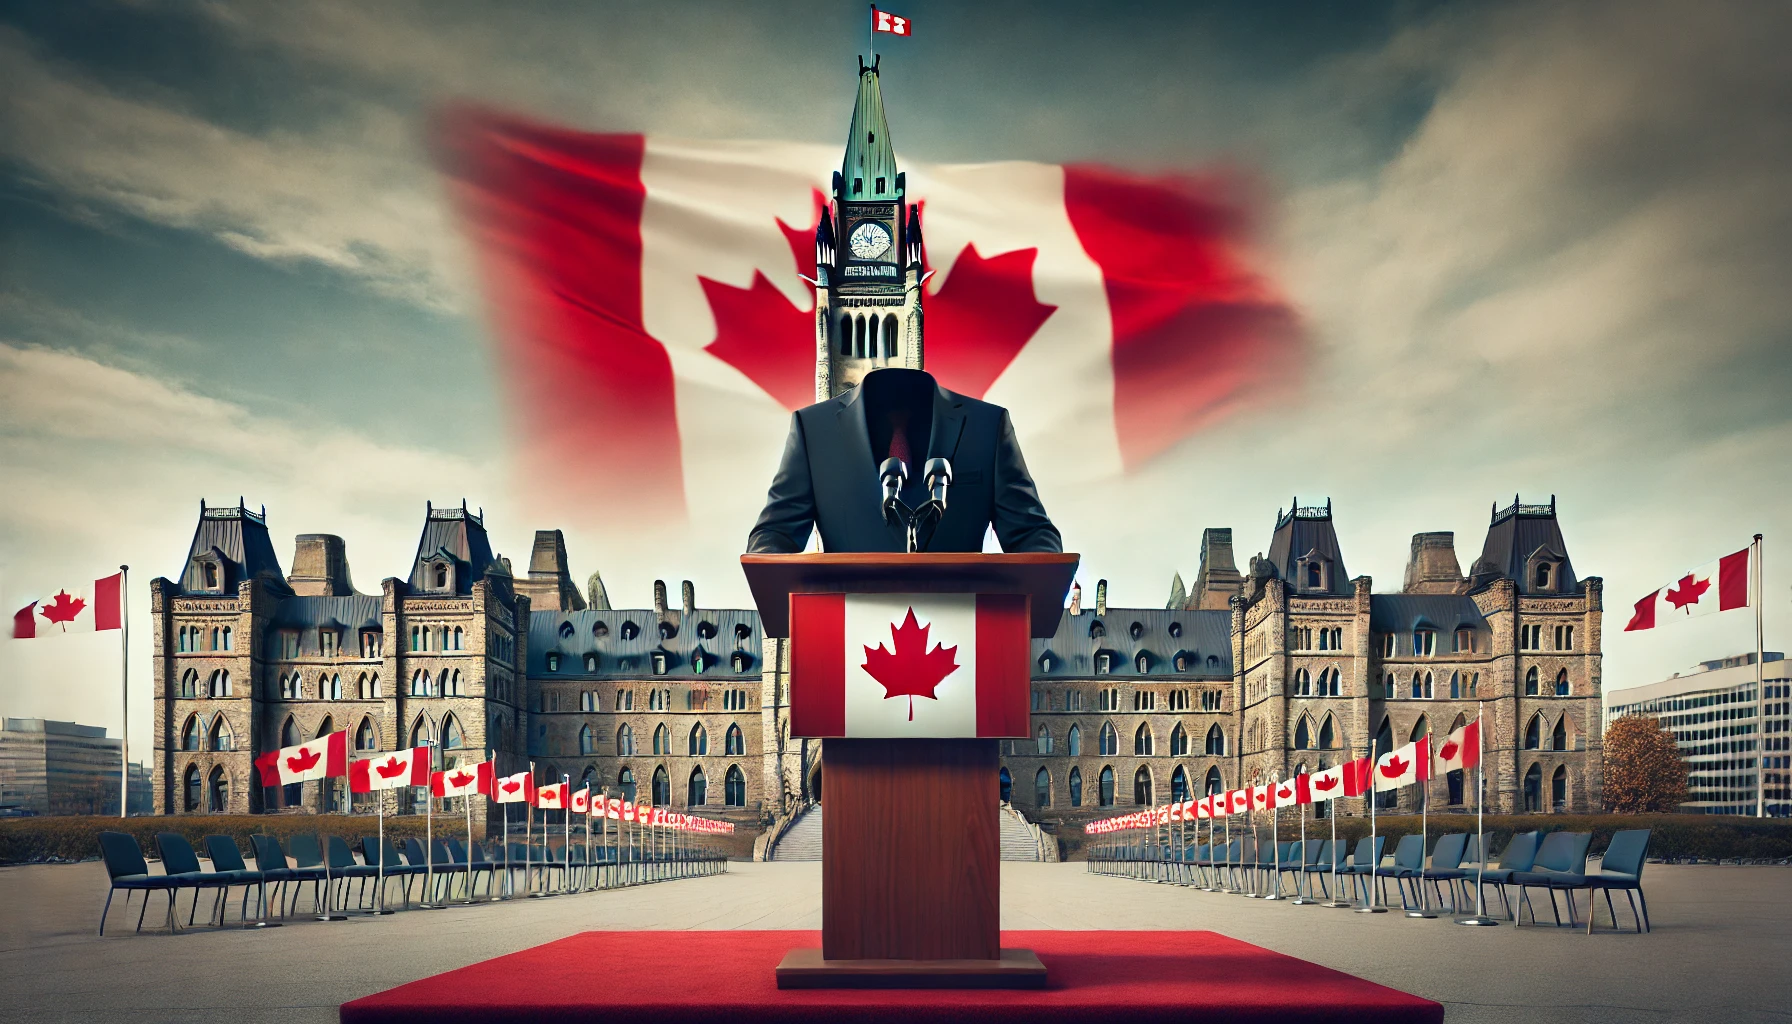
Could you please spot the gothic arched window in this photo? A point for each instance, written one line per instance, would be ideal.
(734, 787)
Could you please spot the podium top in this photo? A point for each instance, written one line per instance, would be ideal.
(1043, 576)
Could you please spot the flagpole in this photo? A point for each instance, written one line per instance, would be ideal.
(124, 682)
(1370, 904)
(566, 834)
(1760, 744)
(1331, 808)
(1480, 917)
(509, 889)
(1275, 838)
(429, 833)
(466, 803)
(528, 833)
(1424, 910)
(1300, 900)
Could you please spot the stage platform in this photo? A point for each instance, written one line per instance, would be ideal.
(648, 977)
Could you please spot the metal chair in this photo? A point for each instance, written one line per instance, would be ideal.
(1409, 865)
(1561, 859)
(1446, 866)
(127, 870)
(344, 866)
(180, 861)
(1520, 853)
(1622, 869)
(308, 866)
(1365, 864)
(228, 860)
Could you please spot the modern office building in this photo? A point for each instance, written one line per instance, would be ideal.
(1726, 731)
(64, 768)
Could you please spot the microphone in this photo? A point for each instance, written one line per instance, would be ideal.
(893, 473)
(937, 476)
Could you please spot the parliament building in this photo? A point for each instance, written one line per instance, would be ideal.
(1288, 665)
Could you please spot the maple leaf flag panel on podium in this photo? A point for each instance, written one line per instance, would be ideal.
(899, 666)
(651, 291)
(1717, 587)
(82, 609)
(323, 758)
(390, 771)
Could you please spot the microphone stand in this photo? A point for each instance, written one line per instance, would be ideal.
(894, 475)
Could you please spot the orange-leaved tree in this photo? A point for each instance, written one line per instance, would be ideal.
(1643, 768)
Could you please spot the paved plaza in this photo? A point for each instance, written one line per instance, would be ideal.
(1718, 952)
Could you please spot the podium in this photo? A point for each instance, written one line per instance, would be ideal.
(910, 668)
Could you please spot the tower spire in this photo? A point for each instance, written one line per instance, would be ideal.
(868, 173)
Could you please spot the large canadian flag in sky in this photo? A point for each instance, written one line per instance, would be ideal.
(656, 329)
(909, 665)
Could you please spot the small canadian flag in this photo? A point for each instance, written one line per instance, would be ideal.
(581, 801)
(1238, 801)
(1404, 766)
(895, 24)
(1261, 798)
(462, 780)
(1461, 749)
(516, 789)
(83, 609)
(390, 771)
(1294, 792)
(614, 809)
(323, 758)
(1716, 587)
(554, 797)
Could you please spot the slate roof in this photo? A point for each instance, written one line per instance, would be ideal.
(1308, 531)
(1515, 534)
(1205, 640)
(1403, 613)
(241, 536)
(730, 629)
(350, 613)
(462, 534)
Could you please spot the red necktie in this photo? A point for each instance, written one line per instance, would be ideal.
(899, 440)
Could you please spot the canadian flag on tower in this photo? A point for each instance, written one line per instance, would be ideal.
(894, 24)
(909, 665)
(323, 758)
(390, 771)
(1716, 587)
(82, 609)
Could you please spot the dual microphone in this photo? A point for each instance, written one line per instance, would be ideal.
(937, 475)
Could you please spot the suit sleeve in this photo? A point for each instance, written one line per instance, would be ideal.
(789, 513)
(1019, 517)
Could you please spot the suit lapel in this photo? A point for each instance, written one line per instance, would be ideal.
(859, 463)
(948, 424)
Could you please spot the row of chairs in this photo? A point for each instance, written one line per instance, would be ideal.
(1553, 863)
(447, 867)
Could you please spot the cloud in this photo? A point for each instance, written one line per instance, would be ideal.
(349, 195)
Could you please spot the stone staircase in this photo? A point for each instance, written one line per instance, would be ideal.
(802, 840)
(1018, 842)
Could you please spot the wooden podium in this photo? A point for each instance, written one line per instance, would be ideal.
(911, 850)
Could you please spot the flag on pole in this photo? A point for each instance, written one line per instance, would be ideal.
(581, 801)
(1327, 784)
(894, 24)
(1294, 792)
(1715, 587)
(1261, 797)
(1404, 766)
(325, 757)
(1238, 801)
(462, 780)
(83, 609)
(1461, 750)
(516, 789)
(614, 809)
(554, 797)
(396, 770)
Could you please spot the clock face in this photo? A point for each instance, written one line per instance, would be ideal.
(869, 240)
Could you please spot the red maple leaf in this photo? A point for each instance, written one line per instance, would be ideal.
(303, 760)
(392, 768)
(1448, 750)
(977, 321)
(1395, 768)
(1329, 782)
(511, 787)
(1687, 592)
(460, 779)
(63, 609)
(911, 670)
(1284, 794)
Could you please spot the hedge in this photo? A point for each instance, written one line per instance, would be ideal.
(1675, 838)
(61, 839)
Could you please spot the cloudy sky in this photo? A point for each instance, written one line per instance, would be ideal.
(1540, 248)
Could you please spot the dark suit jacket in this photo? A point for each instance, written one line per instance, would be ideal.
(828, 480)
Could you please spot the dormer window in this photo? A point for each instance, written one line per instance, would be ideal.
(706, 630)
(699, 662)
(1136, 630)
(1097, 630)
(1465, 640)
(1315, 575)
(600, 629)
(742, 631)
(441, 577)
(1176, 629)
(566, 631)
(630, 630)
(659, 663)
(1142, 663)
(591, 663)
(1424, 643)
(1181, 663)
(1541, 580)
(211, 576)
(738, 661)
(553, 661)
(667, 630)
(326, 642)
(1103, 664)
(1045, 662)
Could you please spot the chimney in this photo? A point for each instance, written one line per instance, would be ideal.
(1218, 578)
(690, 598)
(1076, 599)
(659, 598)
(319, 567)
(595, 595)
(1101, 597)
(1433, 568)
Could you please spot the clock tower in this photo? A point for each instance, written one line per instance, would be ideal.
(867, 257)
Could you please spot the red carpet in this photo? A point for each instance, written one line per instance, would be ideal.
(649, 977)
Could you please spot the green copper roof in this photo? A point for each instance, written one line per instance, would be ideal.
(869, 155)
